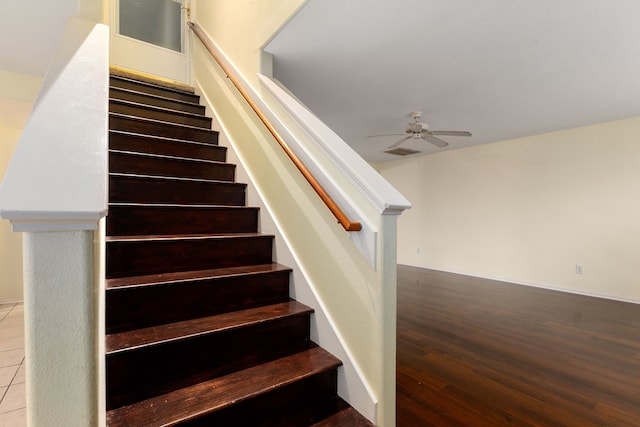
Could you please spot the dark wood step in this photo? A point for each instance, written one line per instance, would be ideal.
(157, 336)
(158, 113)
(143, 255)
(345, 417)
(125, 141)
(173, 297)
(124, 188)
(155, 100)
(311, 402)
(136, 219)
(300, 403)
(147, 362)
(139, 86)
(160, 128)
(205, 398)
(158, 165)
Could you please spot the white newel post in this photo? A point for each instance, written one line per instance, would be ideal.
(61, 329)
(55, 191)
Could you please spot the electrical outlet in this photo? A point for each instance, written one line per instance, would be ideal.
(418, 251)
(578, 269)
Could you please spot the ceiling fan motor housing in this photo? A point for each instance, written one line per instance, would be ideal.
(416, 127)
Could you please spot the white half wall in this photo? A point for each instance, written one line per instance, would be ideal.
(529, 210)
(350, 383)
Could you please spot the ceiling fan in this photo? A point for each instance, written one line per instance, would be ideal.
(418, 130)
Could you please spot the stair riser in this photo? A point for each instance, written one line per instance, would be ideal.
(119, 107)
(151, 145)
(151, 220)
(136, 258)
(142, 98)
(124, 189)
(167, 130)
(120, 162)
(153, 90)
(297, 404)
(150, 371)
(179, 301)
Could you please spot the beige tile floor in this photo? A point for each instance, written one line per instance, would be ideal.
(12, 387)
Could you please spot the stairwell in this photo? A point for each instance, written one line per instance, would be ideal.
(200, 327)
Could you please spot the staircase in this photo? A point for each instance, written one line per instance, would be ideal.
(200, 327)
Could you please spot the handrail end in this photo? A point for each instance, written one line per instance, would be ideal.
(353, 226)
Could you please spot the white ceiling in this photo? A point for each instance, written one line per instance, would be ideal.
(499, 68)
(30, 31)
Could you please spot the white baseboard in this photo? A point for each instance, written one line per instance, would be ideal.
(11, 301)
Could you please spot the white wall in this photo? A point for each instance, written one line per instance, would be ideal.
(528, 210)
(17, 94)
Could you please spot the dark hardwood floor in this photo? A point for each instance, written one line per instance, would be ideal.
(476, 352)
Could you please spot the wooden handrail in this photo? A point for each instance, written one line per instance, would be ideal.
(331, 204)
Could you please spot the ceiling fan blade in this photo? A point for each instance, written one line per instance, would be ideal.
(395, 144)
(451, 132)
(435, 141)
(385, 134)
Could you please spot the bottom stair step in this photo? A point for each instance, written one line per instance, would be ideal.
(263, 383)
(347, 417)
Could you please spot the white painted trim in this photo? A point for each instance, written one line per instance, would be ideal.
(12, 301)
(57, 179)
(59, 221)
(386, 199)
(536, 285)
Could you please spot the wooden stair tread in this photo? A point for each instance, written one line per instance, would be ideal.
(155, 108)
(135, 124)
(151, 95)
(158, 137)
(164, 156)
(148, 81)
(150, 164)
(160, 113)
(157, 87)
(172, 178)
(178, 205)
(153, 254)
(347, 417)
(132, 188)
(206, 325)
(165, 145)
(152, 218)
(185, 276)
(209, 396)
(161, 122)
(185, 237)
